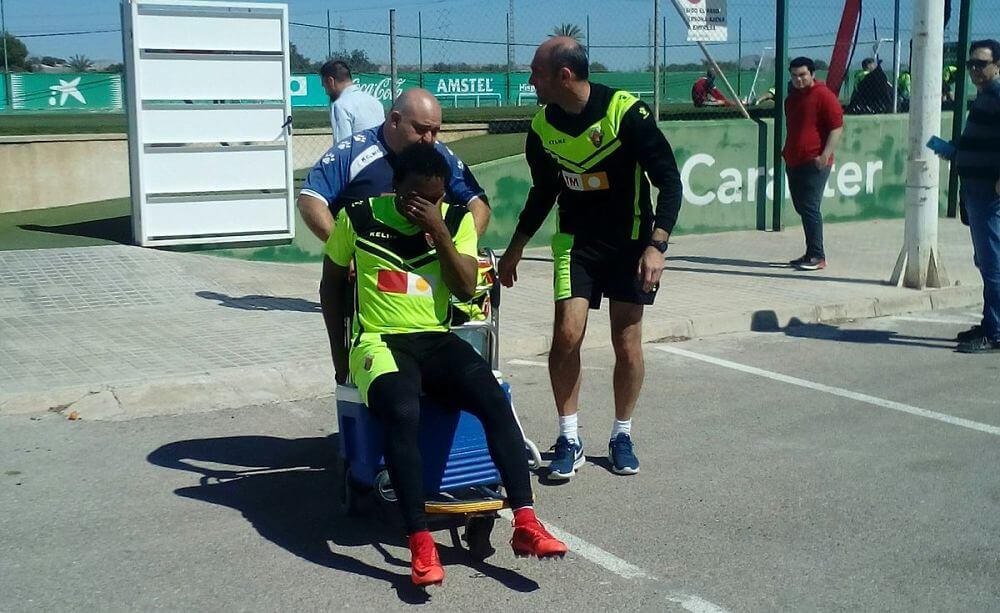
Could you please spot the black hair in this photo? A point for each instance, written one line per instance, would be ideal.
(571, 55)
(802, 61)
(335, 69)
(867, 61)
(988, 43)
(421, 159)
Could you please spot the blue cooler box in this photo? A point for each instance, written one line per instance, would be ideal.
(452, 444)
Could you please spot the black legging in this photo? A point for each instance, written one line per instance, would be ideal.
(450, 372)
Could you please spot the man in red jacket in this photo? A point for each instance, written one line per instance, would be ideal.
(815, 124)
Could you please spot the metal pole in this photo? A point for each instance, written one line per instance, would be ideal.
(961, 92)
(663, 60)
(420, 46)
(656, 59)
(895, 58)
(508, 59)
(739, 60)
(780, 87)
(588, 36)
(919, 264)
(392, 54)
(329, 36)
(3, 28)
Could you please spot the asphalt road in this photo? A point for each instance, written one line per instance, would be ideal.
(827, 468)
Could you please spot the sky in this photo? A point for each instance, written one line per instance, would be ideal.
(618, 28)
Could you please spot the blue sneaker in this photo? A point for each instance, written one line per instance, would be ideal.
(623, 460)
(569, 457)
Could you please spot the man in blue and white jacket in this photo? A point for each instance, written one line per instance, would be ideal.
(360, 167)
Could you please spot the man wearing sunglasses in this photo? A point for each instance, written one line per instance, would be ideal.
(978, 159)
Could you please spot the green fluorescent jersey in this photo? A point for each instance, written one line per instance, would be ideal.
(399, 286)
(598, 165)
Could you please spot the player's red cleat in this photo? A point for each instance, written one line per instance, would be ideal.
(425, 565)
(532, 539)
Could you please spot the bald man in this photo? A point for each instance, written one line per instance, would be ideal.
(595, 150)
(361, 167)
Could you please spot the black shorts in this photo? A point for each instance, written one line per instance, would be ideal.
(594, 269)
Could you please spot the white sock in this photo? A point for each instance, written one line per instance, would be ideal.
(568, 427)
(621, 427)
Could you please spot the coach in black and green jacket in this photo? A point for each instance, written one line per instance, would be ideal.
(595, 150)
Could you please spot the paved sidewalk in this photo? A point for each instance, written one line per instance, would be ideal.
(116, 332)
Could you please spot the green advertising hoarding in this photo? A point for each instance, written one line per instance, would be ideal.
(719, 167)
(71, 91)
(4, 102)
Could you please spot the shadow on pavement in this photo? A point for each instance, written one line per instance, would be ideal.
(767, 321)
(115, 229)
(287, 490)
(256, 302)
(698, 259)
(796, 275)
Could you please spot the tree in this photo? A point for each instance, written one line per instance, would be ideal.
(17, 53)
(118, 68)
(357, 60)
(598, 67)
(568, 29)
(80, 63)
(299, 62)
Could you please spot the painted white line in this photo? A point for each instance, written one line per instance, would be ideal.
(620, 567)
(937, 320)
(694, 604)
(837, 391)
(517, 362)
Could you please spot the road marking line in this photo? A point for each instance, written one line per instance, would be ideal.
(517, 362)
(837, 391)
(939, 320)
(694, 604)
(620, 567)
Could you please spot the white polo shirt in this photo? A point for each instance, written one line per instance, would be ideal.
(354, 111)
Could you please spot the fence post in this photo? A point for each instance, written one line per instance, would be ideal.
(507, 88)
(392, 55)
(780, 90)
(656, 59)
(739, 59)
(420, 46)
(961, 104)
(895, 57)
(329, 41)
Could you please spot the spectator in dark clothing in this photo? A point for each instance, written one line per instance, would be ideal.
(815, 123)
(705, 93)
(978, 159)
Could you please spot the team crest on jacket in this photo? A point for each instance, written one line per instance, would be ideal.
(596, 137)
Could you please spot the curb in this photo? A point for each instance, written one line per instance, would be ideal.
(289, 381)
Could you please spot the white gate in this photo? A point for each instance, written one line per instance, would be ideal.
(209, 114)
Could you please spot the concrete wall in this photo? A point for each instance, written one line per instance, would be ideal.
(39, 172)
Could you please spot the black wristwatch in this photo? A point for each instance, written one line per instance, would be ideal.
(660, 246)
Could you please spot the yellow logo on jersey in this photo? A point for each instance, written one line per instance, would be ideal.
(643, 112)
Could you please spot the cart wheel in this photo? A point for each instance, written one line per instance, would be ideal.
(534, 457)
(383, 487)
(477, 535)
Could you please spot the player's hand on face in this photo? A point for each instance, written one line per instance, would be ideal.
(423, 212)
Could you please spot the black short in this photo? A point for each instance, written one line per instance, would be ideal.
(595, 269)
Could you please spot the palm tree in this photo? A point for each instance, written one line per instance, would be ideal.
(80, 63)
(570, 30)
